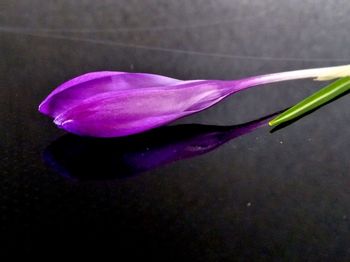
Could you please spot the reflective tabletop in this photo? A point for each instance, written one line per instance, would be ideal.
(219, 185)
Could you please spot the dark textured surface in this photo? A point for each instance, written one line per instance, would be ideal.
(263, 196)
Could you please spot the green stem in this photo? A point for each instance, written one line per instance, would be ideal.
(317, 99)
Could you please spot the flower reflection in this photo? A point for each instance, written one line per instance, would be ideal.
(88, 158)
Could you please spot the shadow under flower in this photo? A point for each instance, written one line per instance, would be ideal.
(86, 158)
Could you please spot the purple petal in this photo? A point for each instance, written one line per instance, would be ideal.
(75, 91)
(127, 112)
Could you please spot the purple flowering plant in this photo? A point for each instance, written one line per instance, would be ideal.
(114, 104)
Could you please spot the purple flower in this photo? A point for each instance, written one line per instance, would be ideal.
(112, 104)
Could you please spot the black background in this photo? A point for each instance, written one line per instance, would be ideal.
(264, 196)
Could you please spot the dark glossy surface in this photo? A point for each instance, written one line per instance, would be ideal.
(262, 196)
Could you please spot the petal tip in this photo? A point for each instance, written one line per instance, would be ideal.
(44, 107)
(41, 107)
(59, 121)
